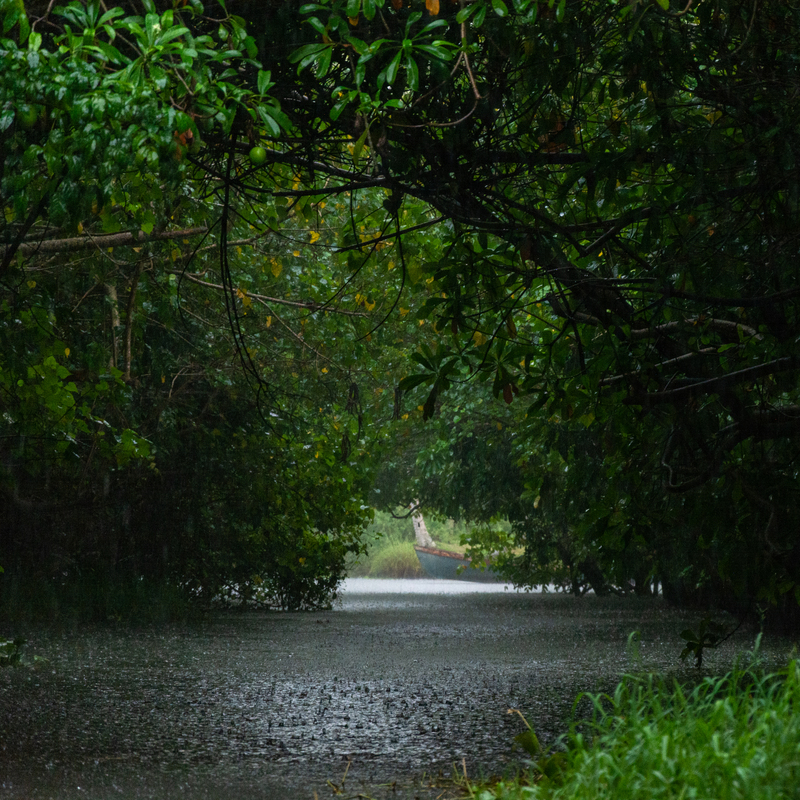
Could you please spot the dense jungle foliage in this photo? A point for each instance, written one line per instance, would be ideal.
(249, 248)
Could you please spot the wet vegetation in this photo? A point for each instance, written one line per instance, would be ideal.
(727, 737)
(390, 545)
(242, 304)
(265, 269)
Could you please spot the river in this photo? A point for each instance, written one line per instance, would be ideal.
(401, 680)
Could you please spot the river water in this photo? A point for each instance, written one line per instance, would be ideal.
(402, 680)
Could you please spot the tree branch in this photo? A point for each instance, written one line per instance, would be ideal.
(124, 239)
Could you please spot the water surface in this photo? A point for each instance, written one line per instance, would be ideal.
(401, 678)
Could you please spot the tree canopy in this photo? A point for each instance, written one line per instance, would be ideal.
(586, 209)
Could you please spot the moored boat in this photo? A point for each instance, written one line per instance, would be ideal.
(452, 566)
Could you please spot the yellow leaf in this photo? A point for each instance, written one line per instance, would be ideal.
(479, 338)
(238, 250)
(295, 253)
(432, 6)
(404, 311)
(66, 351)
(314, 236)
(269, 321)
(80, 227)
(175, 254)
(499, 426)
(31, 284)
(405, 416)
(163, 378)
(353, 21)
(420, 408)
(537, 501)
(324, 369)
(277, 267)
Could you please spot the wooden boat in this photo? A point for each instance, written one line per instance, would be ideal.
(445, 564)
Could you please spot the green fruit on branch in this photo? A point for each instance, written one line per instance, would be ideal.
(258, 155)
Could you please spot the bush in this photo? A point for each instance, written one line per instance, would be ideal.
(729, 738)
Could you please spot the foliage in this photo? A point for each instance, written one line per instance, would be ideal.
(11, 651)
(608, 187)
(581, 207)
(389, 560)
(133, 450)
(728, 737)
(708, 635)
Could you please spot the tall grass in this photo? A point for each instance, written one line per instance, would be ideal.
(392, 560)
(730, 738)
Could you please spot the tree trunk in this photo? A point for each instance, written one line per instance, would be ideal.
(420, 531)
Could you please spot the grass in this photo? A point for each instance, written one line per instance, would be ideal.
(389, 560)
(730, 738)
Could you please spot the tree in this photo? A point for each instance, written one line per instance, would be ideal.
(612, 188)
(588, 204)
(163, 417)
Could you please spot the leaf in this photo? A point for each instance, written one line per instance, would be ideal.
(432, 6)
(412, 74)
(264, 81)
(430, 404)
(412, 381)
(500, 8)
(528, 741)
(359, 146)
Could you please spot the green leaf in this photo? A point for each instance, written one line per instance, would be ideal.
(500, 8)
(264, 81)
(359, 146)
(529, 742)
(412, 381)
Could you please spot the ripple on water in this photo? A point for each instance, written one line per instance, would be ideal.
(401, 677)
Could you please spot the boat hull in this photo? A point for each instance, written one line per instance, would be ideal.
(444, 564)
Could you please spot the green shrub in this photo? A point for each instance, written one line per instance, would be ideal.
(730, 738)
(389, 560)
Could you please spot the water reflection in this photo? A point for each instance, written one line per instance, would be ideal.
(401, 677)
